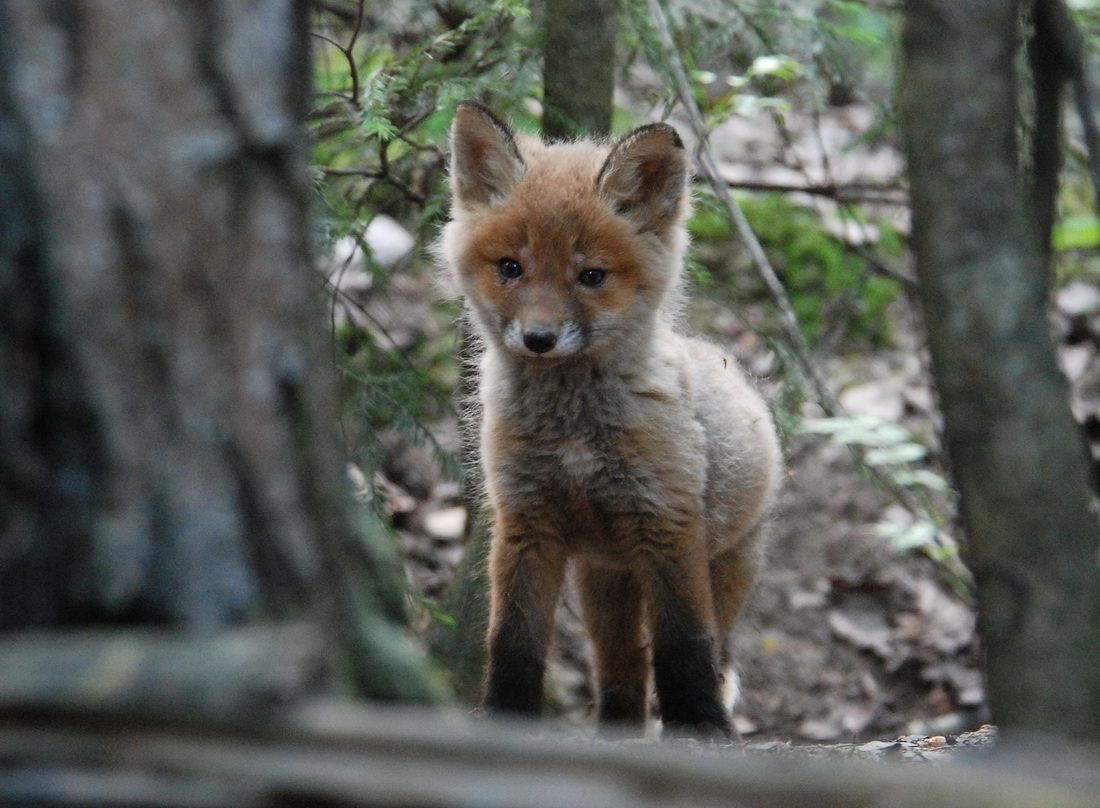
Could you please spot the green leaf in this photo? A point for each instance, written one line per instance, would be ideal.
(895, 455)
(866, 430)
(779, 67)
(1076, 232)
(378, 126)
(914, 477)
(907, 537)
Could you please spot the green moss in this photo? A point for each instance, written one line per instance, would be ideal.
(831, 288)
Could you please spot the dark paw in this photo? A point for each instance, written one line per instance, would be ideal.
(719, 732)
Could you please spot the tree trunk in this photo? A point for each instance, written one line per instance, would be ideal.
(579, 67)
(167, 417)
(1019, 461)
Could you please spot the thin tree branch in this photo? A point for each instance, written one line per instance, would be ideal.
(789, 321)
(1071, 56)
(720, 189)
(841, 193)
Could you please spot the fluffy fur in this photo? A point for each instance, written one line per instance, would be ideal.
(608, 440)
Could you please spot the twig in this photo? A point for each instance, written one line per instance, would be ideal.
(381, 173)
(796, 339)
(841, 193)
(353, 70)
(719, 188)
(1072, 59)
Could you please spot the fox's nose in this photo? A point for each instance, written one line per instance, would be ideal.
(539, 340)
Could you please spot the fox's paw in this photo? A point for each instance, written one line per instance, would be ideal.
(716, 732)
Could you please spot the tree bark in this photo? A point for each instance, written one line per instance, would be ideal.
(167, 422)
(579, 67)
(1019, 462)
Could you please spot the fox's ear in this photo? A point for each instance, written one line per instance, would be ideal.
(485, 162)
(645, 177)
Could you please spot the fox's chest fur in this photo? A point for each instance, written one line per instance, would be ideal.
(586, 424)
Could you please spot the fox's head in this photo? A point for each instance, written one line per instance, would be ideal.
(564, 250)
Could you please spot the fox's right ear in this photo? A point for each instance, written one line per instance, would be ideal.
(485, 161)
(645, 177)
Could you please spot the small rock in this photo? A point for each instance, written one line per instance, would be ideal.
(1078, 299)
(389, 242)
(448, 523)
(878, 747)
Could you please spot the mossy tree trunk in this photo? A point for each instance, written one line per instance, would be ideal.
(579, 67)
(167, 456)
(1019, 460)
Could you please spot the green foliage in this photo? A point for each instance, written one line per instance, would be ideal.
(829, 285)
(1075, 237)
(893, 450)
(385, 101)
(388, 79)
(1076, 232)
(385, 388)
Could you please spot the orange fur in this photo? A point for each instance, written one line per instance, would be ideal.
(607, 438)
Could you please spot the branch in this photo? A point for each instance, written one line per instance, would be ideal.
(1071, 57)
(719, 188)
(841, 193)
(789, 321)
(381, 173)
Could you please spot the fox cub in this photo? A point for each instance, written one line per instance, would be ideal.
(608, 440)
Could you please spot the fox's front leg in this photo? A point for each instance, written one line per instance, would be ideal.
(526, 568)
(685, 658)
(612, 601)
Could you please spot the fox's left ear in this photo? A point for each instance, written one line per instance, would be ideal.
(645, 177)
(485, 161)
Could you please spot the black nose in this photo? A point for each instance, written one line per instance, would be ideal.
(539, 340)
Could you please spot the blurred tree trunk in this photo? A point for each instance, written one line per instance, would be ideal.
(579, 67)
(1018, 458)
(166, 450)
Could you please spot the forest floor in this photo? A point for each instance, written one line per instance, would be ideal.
(846, 639)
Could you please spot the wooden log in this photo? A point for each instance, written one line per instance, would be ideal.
(232, 675)
(338, 754)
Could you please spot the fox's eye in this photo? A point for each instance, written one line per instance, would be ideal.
(592, 278)
(509, 268)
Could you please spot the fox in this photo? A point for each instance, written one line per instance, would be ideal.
(609, 441)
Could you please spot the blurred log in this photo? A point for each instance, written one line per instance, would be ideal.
(167, 674)
(339, 755)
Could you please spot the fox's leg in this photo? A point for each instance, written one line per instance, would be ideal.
(526, 568)
(612, 602)
(732, 573)
(685, 664)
